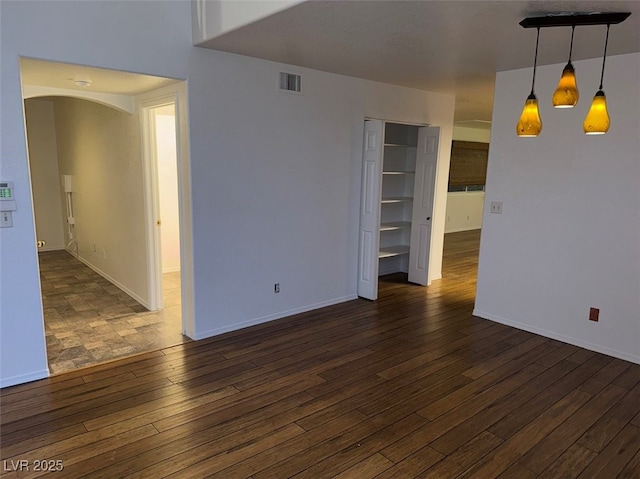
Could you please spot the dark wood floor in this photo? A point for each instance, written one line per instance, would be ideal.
(409, 386)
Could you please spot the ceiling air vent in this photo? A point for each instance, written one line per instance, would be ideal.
(290, 82)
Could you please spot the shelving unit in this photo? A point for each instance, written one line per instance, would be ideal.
(398, 178)
(398, 174)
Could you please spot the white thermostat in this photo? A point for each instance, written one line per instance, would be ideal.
(7, 200)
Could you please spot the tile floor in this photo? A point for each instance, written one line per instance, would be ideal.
(88, 320)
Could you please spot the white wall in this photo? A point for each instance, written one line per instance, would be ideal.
(569, 235)
(463, 133)
(45, 177)
(112, 38)
(275, 177)
(464, 211)
(276, 180)
(212, 18)
(99, 147)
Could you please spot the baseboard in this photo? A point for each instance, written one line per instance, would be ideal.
(113, 281)
(44, 249)
(24, 378)
(170, 270)
(560, 337)
(458, 230)
(271, 317)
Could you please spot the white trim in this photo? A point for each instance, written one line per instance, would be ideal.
(44, 249)
(111, 280)
(272, 317)
(458, 230)
(151, 198)
(119, 102)
(560, 337)
(176, 94)
(24, 378)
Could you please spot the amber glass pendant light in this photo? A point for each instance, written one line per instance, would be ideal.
(530, 124)
(597, 120)
(566, 94)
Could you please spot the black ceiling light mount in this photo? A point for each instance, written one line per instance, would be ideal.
(575, 19)
(566, 94)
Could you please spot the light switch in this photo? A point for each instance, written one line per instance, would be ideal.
(6, 219)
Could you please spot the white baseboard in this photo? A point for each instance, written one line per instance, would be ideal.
(270, 317)
(466, 228)
(24, 378)
(44, 249)
(113, 281)
(171, 270)
(560, 337)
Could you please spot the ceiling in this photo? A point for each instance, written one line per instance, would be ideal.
(450, 46)
(63, 75)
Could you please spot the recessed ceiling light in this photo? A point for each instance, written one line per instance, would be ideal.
(82, 83)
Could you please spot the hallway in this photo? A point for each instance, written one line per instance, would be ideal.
(88, 320)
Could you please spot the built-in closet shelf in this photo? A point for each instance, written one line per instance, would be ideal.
(398, 145)
(390, 251)
(396, 199)
(398, 172)
(395, 225)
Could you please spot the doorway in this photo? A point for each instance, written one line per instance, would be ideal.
(97, 145)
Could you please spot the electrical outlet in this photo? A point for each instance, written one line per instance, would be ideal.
(594, 314)
(496, 207)
(276, 288)
(95, 250)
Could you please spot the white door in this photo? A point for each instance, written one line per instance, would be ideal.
(426, 160)
(370, 209)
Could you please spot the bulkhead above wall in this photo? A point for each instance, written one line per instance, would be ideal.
(113, 88)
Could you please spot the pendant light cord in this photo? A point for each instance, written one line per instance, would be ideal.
(535, 60)
(604, 56)
(573, 29)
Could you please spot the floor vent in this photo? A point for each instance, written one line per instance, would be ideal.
(290, 82)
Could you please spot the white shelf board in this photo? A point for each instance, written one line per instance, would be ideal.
(394, 225)
(396, 199)
(398, 145)
(398, 172)
(390, 251)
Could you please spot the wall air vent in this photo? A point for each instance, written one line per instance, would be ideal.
(290, 82)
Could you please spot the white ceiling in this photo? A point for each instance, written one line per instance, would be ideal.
(450, 46)
(62, 75)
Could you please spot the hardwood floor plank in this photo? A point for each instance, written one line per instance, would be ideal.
(632, 469)
(361, 448)
(612, 422)
(412, 465)
(268, 458)
(616, 455)
(456, 463)
(546, 451)
(510, 425)
(501, 408)
(570, 463)
(208, 458)
(444, 423)
(409, 386)
(512, 449)
(630, 378)
(372, 466)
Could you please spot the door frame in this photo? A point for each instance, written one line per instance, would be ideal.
(434, 196)
(173, 94)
